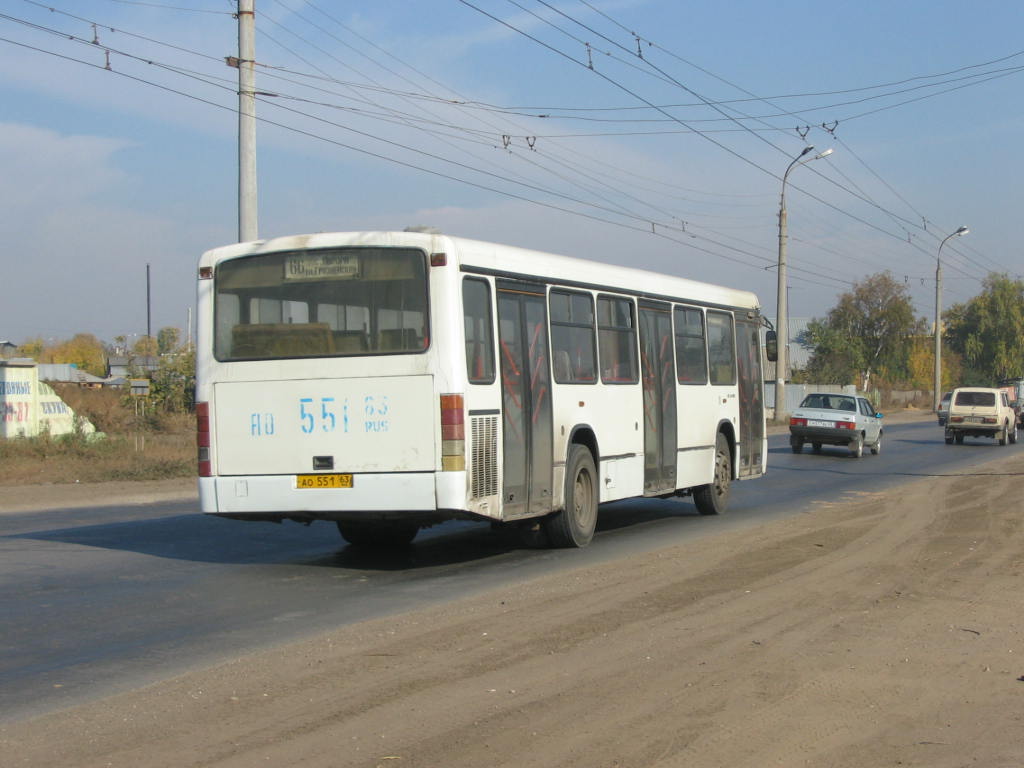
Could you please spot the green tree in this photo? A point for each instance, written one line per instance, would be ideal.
(988, 331)
(869, 332)
(146, 346)
(167, 340)
(172, 385)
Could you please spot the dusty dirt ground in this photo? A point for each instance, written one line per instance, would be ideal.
(885, 630)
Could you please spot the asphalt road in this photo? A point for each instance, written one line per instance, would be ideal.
(104, 599)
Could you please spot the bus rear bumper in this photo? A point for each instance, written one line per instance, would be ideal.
(277, 496)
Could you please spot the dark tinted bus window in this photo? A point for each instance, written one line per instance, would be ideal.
(691, 350)
(721, 348)
(573, 358)
(476, 314)
(616, 338)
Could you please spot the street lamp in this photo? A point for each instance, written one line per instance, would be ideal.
(782, 318)
(937, 394)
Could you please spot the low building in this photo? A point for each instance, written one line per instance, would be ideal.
(69, 373)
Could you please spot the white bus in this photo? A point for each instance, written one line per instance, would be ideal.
(389, 381)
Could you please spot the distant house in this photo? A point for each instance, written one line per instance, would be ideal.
(7, 349)
(69, 373)
(129, 366)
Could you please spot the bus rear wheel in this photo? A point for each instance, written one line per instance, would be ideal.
(574, 525)
(381, 534)
(713, 498)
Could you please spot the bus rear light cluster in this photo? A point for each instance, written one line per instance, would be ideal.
(203, 439)
(453, 433)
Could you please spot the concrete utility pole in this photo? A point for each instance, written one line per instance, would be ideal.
(782, 316)
(247, 199)
(937, 394)
(149, 304)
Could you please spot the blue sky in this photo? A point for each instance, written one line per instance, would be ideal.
(484, 118)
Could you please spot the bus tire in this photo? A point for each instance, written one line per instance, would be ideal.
(574, 525)
(713, 498)
(378, 535)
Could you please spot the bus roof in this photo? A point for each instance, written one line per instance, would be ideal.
(506, 260)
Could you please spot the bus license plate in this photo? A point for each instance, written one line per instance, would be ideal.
(323, 481)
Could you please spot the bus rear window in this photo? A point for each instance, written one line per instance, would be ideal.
(321, 303)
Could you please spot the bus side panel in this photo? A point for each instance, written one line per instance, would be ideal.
(614, 412)
(699, 408)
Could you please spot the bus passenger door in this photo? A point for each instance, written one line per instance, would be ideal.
(527, 468)
(657, 372)
(751, 386)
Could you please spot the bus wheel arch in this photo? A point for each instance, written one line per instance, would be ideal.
(575, 523)
(713, 498)
(726, 429)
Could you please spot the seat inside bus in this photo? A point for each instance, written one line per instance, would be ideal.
(393, 339)
(281, 340)
(347, 342)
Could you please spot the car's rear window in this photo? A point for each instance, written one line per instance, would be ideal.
(976, 398)
(830, 402)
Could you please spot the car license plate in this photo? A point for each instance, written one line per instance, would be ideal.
(323, 481)
(819, 423)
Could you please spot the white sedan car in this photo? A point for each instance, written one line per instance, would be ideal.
(830, 419)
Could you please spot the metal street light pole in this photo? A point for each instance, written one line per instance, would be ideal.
(782, 316)
(937, 394)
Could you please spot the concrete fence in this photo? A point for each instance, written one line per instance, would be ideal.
(30, 407)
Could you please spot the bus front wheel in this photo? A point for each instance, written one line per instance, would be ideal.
(574, 525)
(379, 534)
(713, 498)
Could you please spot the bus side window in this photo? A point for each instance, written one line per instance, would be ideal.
(479, 330)
(616, 336)
(691, 348)
(572, 332)
(721, 348)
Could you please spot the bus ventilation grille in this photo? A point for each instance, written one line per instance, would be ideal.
(484, 434)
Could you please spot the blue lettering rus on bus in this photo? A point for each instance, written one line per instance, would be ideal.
(374, 411)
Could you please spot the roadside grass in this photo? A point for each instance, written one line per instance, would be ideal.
(31, 461)
(138, 445)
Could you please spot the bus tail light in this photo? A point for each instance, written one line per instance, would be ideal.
(203, 439)
(453, 433)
